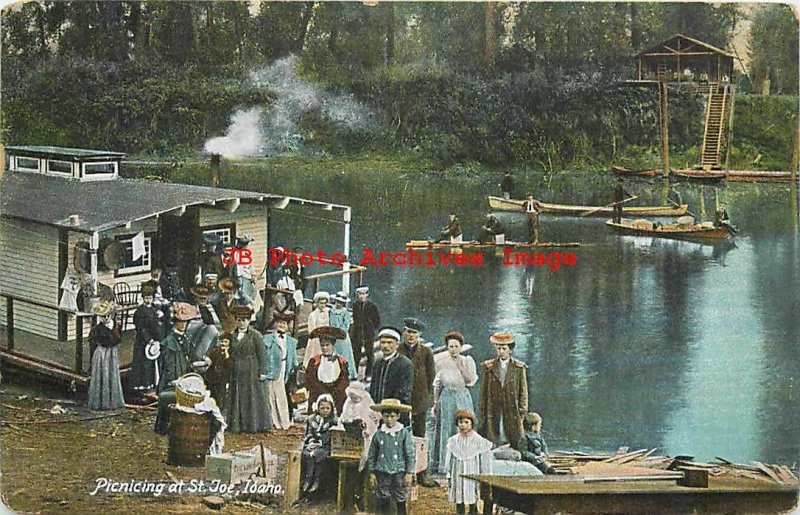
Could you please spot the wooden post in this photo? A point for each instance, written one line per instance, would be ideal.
(292, 478)
(795, 155)
(729, 139)
(664, 119)
(10, 323)
(79, 344)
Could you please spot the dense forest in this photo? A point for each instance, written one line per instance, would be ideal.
(490, 82)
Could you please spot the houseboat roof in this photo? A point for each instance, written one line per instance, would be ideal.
(70, 154)
(668, 44)
(101, 205)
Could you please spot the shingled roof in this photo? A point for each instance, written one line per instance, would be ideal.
(102, 205)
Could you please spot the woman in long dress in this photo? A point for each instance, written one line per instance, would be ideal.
(317, 318)
(340, 317)
(148, 319)
(455, 373)
(105, 387)
(247, 407)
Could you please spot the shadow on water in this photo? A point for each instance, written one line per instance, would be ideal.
(689, 347)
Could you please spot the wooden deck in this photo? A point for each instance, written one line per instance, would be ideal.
(553, 494)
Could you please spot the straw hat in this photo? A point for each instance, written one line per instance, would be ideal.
(322, 295)
(152, 350)
(227, 285)
(341, 296)
(502, 338)
(391, 404)
(103, 308)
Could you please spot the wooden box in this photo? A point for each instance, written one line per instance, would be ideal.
(344, 446)
(694, 476)
(234, 467)
(421, 448)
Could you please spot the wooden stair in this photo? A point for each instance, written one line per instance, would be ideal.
(714, 135)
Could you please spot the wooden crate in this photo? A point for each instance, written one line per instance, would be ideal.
(234, 467)
(344, 446)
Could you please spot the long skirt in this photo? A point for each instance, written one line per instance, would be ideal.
(278, 404)
(105, 387)
(142, 369)
(450, 401)
(345, 349)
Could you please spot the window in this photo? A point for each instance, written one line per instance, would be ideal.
(28, 164)
(225, 232)
(59, 167)
(99, 168)
(143, 264)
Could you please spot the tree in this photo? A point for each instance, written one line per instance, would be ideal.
(773, 48)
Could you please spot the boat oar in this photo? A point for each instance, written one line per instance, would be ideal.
(593, 211)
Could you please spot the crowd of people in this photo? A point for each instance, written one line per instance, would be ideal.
(403, 391)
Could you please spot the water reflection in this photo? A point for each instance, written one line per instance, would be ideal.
(692, 348)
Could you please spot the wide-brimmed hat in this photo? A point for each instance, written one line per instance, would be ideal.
(227, 285)
(341, 296)
(152, 350)
(200, 290)
(185, 311)
(286, 316)
(329, 332)
(502, 338)
(211, 239)
(243, 311)
(103, 308)
(391, 405)
(243, 241)
(322, 295)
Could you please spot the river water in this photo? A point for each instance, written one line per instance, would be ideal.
(691, 348)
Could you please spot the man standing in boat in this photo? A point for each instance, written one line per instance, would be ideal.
(507, 185)
(620, 194)
(532, 210)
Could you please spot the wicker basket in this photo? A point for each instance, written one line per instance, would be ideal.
(186, 398)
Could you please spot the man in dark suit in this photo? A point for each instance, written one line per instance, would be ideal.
(421, 358)
(394, 374)
(366, 319)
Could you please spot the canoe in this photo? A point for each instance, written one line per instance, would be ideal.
(426, 244)
(675, 231)
(621, 170)
(700, 175)
(502, 204)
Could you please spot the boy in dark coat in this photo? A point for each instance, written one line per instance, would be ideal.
(534, 448)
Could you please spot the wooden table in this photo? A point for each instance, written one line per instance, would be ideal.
(552, 494)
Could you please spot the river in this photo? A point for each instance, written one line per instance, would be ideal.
(691, 348)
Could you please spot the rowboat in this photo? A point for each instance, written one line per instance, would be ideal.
(700, 175)
(501, 204)
(704, 231)
(758, 176)
(621, 170)
(427, 244)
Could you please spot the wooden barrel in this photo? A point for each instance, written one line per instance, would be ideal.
(189, 438)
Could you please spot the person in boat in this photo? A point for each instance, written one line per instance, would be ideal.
(507, 185)
(532, 210)
(451, 231)
(490, 229)
(620, 194)
(721, 218)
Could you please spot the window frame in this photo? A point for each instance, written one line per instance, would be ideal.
(59, 173)
(127, 239)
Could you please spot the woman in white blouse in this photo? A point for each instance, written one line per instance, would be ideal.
(455, 373)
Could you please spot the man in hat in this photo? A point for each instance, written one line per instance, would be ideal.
(490, 229)
(393, 375)
(281, 362)
(226, 304)
(452, 231)
(366, 320)
(327, 372)
(532, 210)
(503, 400)
(424, 372)
(148, 320)
(210, 259)
(619, 196)
(175, 361)
(203, 331)
(391, 457)
(507, 185)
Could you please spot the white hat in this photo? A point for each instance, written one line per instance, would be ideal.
(390, 332)
(152, 350)
(362, 289)
(322, 295)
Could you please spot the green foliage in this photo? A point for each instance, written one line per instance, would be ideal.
(763, 130)
(774, 48)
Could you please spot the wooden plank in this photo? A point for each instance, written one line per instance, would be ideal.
(768, 471)
(292, 492)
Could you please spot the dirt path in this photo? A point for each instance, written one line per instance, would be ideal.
(51, 461)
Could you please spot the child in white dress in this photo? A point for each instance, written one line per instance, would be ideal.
(466, 451)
